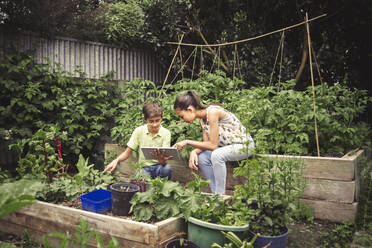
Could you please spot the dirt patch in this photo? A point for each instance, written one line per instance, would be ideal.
(308, 235)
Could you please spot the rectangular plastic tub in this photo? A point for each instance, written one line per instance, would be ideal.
(97, 201)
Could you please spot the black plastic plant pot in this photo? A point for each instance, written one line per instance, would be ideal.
(140, 183)
(122, 193)
(178, 243)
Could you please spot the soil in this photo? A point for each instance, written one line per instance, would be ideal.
(308, 235)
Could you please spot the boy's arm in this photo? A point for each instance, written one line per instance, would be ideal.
(122, 157)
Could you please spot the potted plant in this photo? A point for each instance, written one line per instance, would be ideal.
(140, 179)
(270, 197)
(122, 193)
(213, 216)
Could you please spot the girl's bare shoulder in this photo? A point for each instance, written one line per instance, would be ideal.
(216, 113)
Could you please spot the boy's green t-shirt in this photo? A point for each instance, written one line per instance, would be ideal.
(142, 137)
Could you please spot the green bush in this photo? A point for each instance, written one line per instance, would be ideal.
(280, 119)
(123, 22)
(38, 96)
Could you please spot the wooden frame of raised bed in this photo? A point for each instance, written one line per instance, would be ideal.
(332, 184)
(42, 218)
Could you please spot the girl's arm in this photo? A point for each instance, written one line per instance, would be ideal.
(210, 143)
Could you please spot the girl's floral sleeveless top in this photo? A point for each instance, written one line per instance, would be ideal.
(231, 130)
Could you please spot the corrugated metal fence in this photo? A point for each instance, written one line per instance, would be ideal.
(95, 59)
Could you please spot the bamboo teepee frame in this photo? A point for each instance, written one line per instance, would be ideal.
(209, 46)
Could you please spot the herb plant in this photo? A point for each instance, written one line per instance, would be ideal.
(272, 194)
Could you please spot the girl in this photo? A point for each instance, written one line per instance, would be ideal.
(224, 139)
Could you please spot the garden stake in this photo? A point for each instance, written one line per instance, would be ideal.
(312, 83)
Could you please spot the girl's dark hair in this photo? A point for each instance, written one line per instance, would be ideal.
(152, 109)
(188, 99)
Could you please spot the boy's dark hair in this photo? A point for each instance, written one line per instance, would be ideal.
(152, 109)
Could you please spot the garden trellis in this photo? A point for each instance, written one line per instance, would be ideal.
(236, 62)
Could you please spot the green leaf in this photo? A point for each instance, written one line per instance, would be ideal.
(166, 207)
(268, 220)
(169, 187)
(142, 212)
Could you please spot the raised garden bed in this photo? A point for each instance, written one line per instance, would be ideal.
(42, 218)
(332, 184)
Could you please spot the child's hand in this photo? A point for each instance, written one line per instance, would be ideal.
(111, 166)
(180, 144)
(160, 155)
(193, 160)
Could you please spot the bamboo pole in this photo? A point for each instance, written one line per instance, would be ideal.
(312, 83)
(170, 66)
(249, 39)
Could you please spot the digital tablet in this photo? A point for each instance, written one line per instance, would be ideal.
(169, 151)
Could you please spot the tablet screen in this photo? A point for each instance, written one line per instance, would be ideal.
(169, 151)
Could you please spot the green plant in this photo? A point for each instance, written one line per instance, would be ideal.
(66, 187)
(165, 199)
(80, 238)
(270, 197)
(40, 156)
(40, 96)
(287, 130)
(340, 236)
(235, 241)
(290, 128)
(364, 213)
(123, 22)
(5, 176)
(16, 195)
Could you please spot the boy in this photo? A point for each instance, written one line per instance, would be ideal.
(151, 134)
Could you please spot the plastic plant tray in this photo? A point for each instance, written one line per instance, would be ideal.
(98, 201)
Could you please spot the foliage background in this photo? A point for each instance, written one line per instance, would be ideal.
(36, 96)
(341, 47)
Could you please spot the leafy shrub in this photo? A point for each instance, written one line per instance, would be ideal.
(280, 119)
(37, 96)
(123, 22)
(37, 156)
